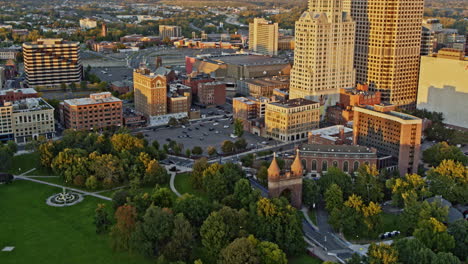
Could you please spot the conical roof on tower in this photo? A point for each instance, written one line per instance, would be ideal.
(296, 167)
(274, 170)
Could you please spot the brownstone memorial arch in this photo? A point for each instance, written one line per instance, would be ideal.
(279, 182)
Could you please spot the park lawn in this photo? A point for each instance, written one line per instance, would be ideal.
(23, 163)
(183, 185)
(390, 222)
(45, 234)
(304, 259)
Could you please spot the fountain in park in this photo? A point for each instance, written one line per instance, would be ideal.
(64, 199)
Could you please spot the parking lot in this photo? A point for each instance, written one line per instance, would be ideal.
(203, 133)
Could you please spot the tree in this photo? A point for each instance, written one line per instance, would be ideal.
(244, 194)
(443, 151)
(412, 251)
(335, 176)
(6, 156)
(188, 153)
(83, 85)
(154, 232)
(459, 231)
(214, 183)
(119, 198)
(433, 234)
(101, 219)
(121, 232)
(412, 186)
(121, 142)
(247, 160)
(211, 151)
(214, 235)
(270, 253)
(72, 86)
(310, 192)
(228, 147)
(197, 150)
(382, 254)
(155, 174)
(238, 127)
(368, 185)
(63, 87)
(102, 86)
(173, 122)
(163, 197)
(92, 182)
(46, 153)
(240, 144)
(180, 246)
(262, 175)
(415, 212)
(333, 197)
(241, 250)
(106, 166)
(196, 177)
(450, 179)
(195, 209)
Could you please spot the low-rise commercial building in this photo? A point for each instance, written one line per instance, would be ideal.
(100, 110)
(12, 95)
(26, 120)
(212, 93)
(263, 87)
(391, 133)
(333, 135)
(178, 103)
(88, 23)
(8, 54)
(291, 120)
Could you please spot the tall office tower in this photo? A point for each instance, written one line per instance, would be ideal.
(169, 31)
(388, 46)
(263, 36)
(52, 62)
(150, 92)
(323, 56)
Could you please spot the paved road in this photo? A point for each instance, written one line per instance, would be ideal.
(61, 186)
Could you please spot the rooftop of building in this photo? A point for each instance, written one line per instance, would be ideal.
(24, 91)
(399, 115)
(268, 81)
(349, 149)
(50, 41)
(97, 98)
(294, 103)
(147, 72)
(245, 60)
(28, 105)
(331, 130)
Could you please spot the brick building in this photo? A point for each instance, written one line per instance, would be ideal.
(212, 93)
(150, 92)
(316, 159)
(391, 133)
(17, 94)
(178, 104)
(193, 82)
(334, 135)
(100, 110)
(265, 86)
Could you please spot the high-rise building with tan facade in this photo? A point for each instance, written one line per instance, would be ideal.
(52, 62)
(388, 46)
(291, 120)
(391, 133)
(100, 110)
(166, 31)
(263, 36)
(324, 51)
(150, 92)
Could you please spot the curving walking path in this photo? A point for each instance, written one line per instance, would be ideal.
(173, 174)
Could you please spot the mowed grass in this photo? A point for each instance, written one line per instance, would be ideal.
(304, 259)
(23, 163)
(45, 234)
(183, 185)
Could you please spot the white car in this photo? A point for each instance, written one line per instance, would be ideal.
(226, 126)
(215, 124)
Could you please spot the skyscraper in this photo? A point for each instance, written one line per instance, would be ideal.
(263, 36)
(150, 92)
(323, 56)
(387, 50)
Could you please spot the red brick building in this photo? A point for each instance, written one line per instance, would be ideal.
(316, 159)
(193, 82)
(100, 110)
(13, 95)
(212, 93)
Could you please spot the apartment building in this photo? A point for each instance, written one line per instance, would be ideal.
(263, 37)
(150, 92)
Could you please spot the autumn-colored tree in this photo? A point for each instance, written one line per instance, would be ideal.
(121, 232)
(410, 187)
(450, 179)
(368, 185)
(443, 151)
(47, 153)
(211, 151)
(155, 174)
(241, 250)
(127, 142)
(101, 219)
(382, 254)
(433, 234)
(196, 177)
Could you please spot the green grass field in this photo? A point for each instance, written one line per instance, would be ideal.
(23, 163)
(44, 234)
(183, 185)
(312, 216)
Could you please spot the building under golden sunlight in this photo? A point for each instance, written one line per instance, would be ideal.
(150, 92)
(291, 120)
(388, 46)
(391, 133)
(263, 36)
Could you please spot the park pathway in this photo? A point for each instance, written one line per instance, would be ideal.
(20, 177)
(173, 174)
